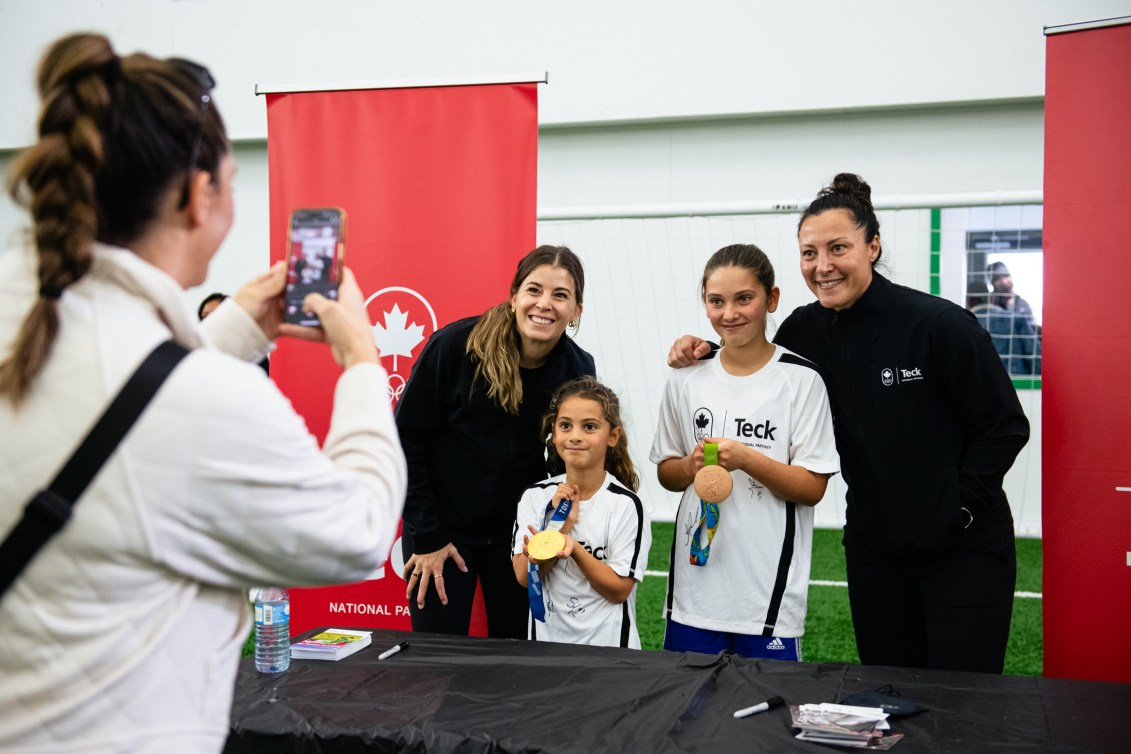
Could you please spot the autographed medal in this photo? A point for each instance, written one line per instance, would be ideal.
(712, 482)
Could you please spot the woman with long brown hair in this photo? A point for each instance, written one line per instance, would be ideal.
(469, 423)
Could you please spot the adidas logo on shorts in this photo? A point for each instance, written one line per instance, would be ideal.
(775, 643)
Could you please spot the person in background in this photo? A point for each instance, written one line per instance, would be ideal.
(1004, 296)
(743, 587)
(209, 304)
(124, 631)
(589, 590)
(1016, 342)
(469, 421)
(927, 424)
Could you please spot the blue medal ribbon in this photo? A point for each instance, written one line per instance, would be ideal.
(708, 515)
(533, 578)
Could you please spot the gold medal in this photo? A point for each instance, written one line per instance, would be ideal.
(545, 545)
(712, 482)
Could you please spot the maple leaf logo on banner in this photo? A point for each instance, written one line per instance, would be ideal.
(396, 337)
(408, 320)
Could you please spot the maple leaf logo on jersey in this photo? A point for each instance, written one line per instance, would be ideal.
(703, 420)
(397, 337)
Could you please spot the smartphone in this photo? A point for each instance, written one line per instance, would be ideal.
(316, 244)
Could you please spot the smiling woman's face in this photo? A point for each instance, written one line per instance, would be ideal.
(836, 261)
(544, 304)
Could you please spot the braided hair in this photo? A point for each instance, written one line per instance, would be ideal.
(115, 137)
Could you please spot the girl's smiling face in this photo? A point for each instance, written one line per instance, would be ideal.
(737, 304)
(582, 434)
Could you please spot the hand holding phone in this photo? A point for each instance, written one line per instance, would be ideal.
(315, 251)
(345, 325)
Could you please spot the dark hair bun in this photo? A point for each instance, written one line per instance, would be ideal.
(853, 185)
(851, 193)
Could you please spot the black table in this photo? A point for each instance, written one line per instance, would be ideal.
(448, 693)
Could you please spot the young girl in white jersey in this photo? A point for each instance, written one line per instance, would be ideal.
(740, 568)
(586, 594)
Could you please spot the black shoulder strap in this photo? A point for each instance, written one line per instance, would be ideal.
(47, 512)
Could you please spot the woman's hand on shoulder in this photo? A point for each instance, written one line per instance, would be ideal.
(686, 350)
(425, 568)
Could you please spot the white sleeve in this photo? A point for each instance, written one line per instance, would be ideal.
(232, 330)
(630, 538)
(526, 514)
(671, 439)
(250, 498)
(812, 444)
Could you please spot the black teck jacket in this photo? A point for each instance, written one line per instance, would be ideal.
(927, 420)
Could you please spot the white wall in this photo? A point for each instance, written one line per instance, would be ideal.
(643, 276)
(626, 60)
(648, 102)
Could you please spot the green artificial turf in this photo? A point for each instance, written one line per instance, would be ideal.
(828, 626)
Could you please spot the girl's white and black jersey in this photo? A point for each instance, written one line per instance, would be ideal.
(613, 526)
(756, 578)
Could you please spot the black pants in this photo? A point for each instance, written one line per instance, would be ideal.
(946, 612)
(506, 603)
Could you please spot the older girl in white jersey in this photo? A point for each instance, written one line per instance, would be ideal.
(740, 564)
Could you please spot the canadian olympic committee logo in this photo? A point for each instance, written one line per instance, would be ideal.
(402, 322)
(704, 422)
(887, 376)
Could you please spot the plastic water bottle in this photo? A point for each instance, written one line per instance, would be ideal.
(272, 629)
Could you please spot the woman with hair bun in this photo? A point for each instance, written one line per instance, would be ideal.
(123, 632)
(469, 420)
(927, 424)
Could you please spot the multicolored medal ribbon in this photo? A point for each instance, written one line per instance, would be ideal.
(543, 546)
(713, 485)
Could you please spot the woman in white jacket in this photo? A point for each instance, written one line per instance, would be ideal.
(124, 632)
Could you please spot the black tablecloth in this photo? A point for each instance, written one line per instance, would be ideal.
(448, 693)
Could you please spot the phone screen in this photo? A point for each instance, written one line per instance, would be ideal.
(314, 259)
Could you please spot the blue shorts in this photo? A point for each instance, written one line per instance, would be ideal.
(681, 638)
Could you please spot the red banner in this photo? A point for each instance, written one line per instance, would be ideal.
(439, 189)
(1086, 406)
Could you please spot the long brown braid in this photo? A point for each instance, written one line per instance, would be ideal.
(115, 135)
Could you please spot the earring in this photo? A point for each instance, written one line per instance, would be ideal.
(573, 323)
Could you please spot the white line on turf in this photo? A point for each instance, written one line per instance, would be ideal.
(844, 584)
